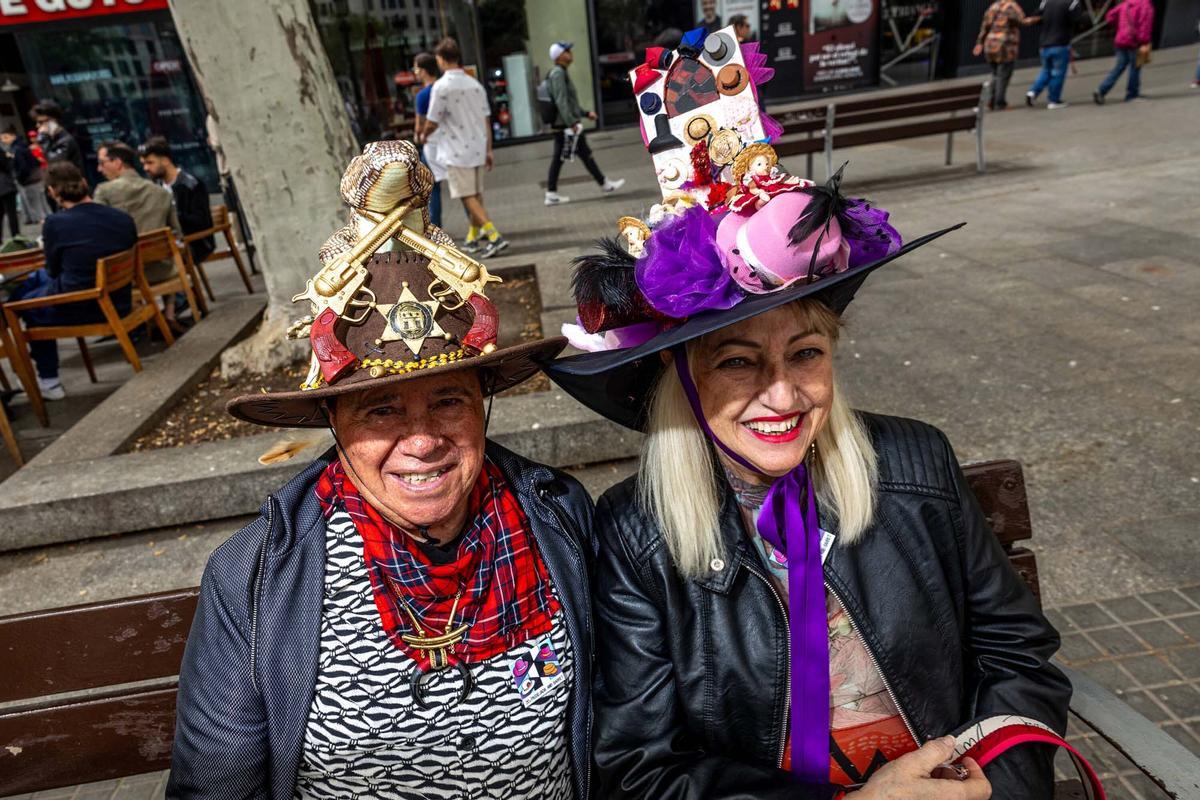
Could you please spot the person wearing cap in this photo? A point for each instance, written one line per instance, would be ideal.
(568, 122)
(409, 615)
(792, 598)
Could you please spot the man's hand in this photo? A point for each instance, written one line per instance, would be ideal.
(908, 777)
(977, 50)
(489, 161)
(591, 115)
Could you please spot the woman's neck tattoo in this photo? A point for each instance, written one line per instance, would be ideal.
(749, 495)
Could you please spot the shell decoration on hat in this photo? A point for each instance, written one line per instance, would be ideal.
(393, 295)
(732, 222)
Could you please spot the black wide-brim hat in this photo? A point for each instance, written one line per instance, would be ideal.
(617, 383)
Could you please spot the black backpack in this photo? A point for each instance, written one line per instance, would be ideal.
(546, 106)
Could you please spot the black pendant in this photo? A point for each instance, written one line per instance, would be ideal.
(420, 681)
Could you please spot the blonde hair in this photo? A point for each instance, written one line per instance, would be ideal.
(741, 164)
(677, 479)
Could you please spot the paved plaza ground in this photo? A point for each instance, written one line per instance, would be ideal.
(1058, 328)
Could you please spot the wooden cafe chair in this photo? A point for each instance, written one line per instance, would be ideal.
(112, 273)
(159, 245)
(221, 225)
(13, 267)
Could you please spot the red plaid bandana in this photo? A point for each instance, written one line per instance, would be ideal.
(506, 598)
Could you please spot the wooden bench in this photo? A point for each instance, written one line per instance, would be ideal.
(91, 689)
(892, 118)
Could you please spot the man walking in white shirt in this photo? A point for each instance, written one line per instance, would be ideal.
(459, 123)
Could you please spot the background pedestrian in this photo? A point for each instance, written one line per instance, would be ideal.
(1058, 18)
(459, 123)
(998, 42)
(8, 195)
(568, 127)
(28, 172)
(425, 68)
(189, 192)
(56, 142)
(1133, 21)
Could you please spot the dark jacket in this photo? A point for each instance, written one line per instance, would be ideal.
(61, 146)
(25, 165)
(250, 665)
(564, 97)
(1059, 18)
(8, 176)
(74, 238)
(691, 690)
(191, 206)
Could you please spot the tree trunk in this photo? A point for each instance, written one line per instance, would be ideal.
(268, 83)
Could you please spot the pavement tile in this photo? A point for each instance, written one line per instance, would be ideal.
(1157, 634)
(1060, 622)
(1128, 609)
(1186, 660)
(1149, 670)
(1116, 641)
(1143, 787)
(1088, 616)
(1076, 650)
(1190, 625)
(1170, 602)
(1110, 675)
(1192, 593)
(1147, 705)
(1183, 700)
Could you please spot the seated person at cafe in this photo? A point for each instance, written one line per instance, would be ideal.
(74, 238)
(191, 195)
(151, 206)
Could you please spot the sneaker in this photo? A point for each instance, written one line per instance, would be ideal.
(51, 388)
(1098, 98)
(556, 199)
(1055, 106)
(611, 186)
(1196, 84)
(471, 246)
(1029, 98)
(493, 246)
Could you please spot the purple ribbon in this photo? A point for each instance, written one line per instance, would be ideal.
(788, 521)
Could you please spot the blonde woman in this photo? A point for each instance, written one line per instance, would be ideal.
(792, 598)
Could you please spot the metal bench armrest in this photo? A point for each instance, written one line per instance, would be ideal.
(1166, 762)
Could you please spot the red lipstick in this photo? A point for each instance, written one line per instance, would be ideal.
(777, 438)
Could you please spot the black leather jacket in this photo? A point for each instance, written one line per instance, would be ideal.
(246, 683)
(691, 695)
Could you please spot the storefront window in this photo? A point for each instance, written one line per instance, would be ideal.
(912, 43)
(126, 82)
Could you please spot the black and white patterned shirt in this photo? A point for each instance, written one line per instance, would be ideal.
(366, 737)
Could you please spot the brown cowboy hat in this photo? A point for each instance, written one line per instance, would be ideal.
(404, 334)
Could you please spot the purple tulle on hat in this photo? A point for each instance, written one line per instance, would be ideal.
(683, 271)
(866, 229)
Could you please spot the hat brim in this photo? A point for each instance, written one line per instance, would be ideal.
(616, 383)
(302, 409)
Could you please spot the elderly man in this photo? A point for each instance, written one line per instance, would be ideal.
(409, 616)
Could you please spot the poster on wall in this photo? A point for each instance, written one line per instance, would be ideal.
(783, 43)
(840, 44)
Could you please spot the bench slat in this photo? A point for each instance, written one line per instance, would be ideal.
(855, 106)
(1000, 489)
(102, 644)
(845, 119)
(93, 740)
(897, 132)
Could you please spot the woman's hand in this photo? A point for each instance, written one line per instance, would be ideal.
(908, 777)
(977, 50)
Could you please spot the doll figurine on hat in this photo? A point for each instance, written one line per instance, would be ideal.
(757, 178)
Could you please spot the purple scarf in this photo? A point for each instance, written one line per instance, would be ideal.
(793, 528)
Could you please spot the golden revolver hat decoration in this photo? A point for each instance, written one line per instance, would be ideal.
(393, 300)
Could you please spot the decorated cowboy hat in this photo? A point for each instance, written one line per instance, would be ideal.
(393, 301)
(735, 236)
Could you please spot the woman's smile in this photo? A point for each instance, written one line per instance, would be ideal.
(776, 429)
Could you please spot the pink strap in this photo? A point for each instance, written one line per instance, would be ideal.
(990, 737)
